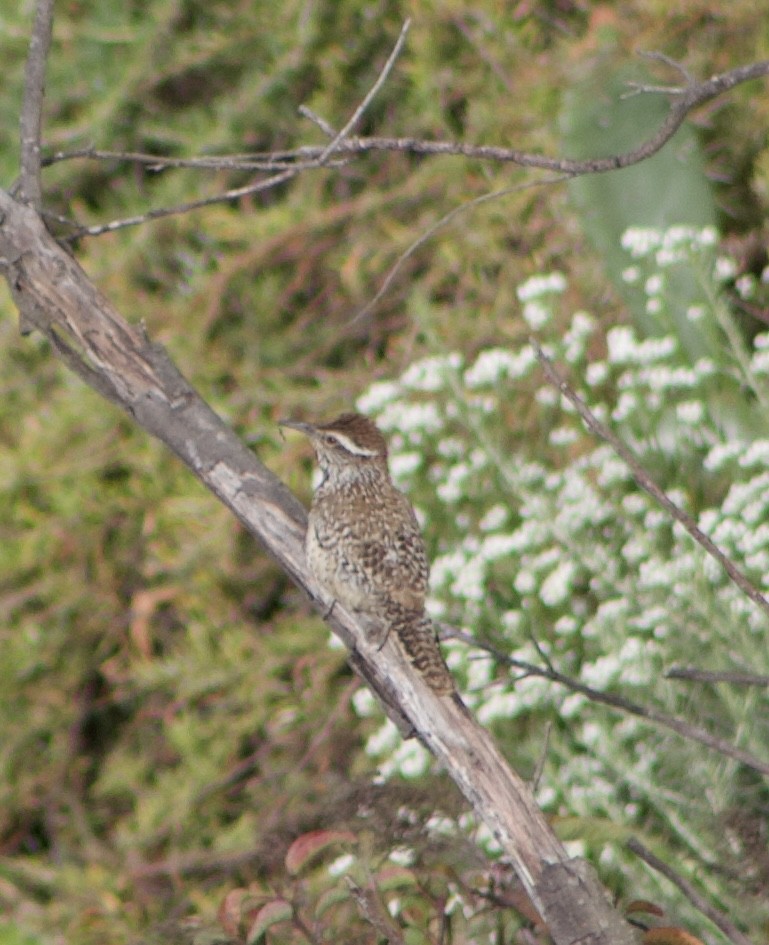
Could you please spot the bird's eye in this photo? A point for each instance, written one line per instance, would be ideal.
(330, 440)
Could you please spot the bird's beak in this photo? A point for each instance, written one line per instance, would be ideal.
(306, 428)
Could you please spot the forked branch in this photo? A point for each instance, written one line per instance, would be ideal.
(344, 146)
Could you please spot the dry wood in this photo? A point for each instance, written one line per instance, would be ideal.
(56, 297)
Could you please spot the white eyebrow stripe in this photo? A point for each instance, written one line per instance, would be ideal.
(349, 445)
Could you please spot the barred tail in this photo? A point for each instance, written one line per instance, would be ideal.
(416, 632)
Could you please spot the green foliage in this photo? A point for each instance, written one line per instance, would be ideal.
(12, 935)
(669, 188)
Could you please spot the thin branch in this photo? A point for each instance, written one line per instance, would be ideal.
(438, 225)
(32, 106)
(637, 88)
(684, 729)
(684, 100)
(372, 910)
(646, 482)
(306, 112)
(234, 194)
(689, 98)
(699, 902)
(673, 64)
(356, 116)
(154, 162)
(321, 160)
(644, 88)
(711, 676)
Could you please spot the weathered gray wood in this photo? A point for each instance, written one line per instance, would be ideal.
(55, 296)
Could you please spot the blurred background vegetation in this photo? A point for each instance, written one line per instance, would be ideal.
(172, 717)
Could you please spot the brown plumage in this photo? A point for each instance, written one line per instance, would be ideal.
(363, 541)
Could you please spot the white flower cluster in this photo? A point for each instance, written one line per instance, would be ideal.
(548, 546)
(625, 348)
(535, 294)
(666, 247)
(535, 287)
(759, 362)
(497, 364)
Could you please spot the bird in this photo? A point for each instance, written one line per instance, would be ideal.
(363, 544)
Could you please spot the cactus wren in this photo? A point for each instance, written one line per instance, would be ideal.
(363, 542)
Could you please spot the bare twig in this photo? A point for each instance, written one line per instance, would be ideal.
(537, 777)
(234, 194)
(372, 910)
(684, 100)
(213, 162)
(32, 106)
(646, 482)
(438, 225)
(324, 126)
(711, 676)
(689, 98)
(356, 116)
(644, 88)
(674, 64)
(684, 729)
(722, 922)
(322, 159)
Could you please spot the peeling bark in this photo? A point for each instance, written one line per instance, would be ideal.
(55, 296)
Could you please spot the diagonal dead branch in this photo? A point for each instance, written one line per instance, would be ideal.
(612, 700)
(50, 285)
(156, 214)
(690, 674)
(438, 225)
(646, 482)
(722, 922)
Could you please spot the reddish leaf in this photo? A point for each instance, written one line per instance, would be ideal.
(230, 911)
(643, 905)
(306, 846)
(668, 935)
(274, 912)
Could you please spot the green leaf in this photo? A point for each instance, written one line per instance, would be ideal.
(669, 188)
(394, 877)
(272, 914)
(331, 898)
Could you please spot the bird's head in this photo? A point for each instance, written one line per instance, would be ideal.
(348, 446)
